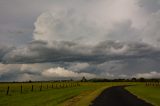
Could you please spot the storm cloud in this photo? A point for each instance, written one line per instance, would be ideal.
(107, 38)
(40, 51)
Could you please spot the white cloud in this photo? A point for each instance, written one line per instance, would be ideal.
(64, 73)
(22, 72)
(151, 33)
(120, 20)
(112, 66)
(26, 77)
(80, 20)
(79, 66)
(92, 23)
(65, 25)
(107, 75)
(152, 74)
(5, 68)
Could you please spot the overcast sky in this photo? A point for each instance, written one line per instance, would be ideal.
(62, 39)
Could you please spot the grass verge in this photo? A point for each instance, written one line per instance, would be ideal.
(87, 100)
(149, 94)
(84, 99)
(43, 98)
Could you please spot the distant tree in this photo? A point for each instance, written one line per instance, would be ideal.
(134, 79)
(30, 81)
(71, 79)
(142, 80)
(84, 79)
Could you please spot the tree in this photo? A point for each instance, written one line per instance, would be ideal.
(84, 79)
(134, 79)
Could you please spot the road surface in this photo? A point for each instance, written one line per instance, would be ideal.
(118, 96)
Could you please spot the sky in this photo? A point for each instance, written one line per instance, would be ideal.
(64, 39)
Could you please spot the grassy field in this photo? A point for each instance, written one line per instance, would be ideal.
(16, 88)
(52, 94)
(66, 93)
(150, 94)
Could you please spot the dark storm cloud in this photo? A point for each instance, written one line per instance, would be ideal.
(41, 52)
(4, 50)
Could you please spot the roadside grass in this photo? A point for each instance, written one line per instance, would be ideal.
(149, 94)
(86, 98)
(43, 98)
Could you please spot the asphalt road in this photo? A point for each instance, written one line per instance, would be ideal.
(118, 96)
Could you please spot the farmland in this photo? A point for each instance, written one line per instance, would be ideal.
(65, 93)
(150, 94)
(42, 94)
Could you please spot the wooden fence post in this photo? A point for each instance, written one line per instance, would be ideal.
(60, 85)
(32, 88)
(8, 90)
(41, 88)
(66, 85)
(21, 88)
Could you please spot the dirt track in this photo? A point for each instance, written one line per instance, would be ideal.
(118, 96)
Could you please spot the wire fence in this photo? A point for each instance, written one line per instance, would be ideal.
(19, 88)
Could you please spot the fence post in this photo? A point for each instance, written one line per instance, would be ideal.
(32, 88)
(60, 85)
(21, 88)
(66, 85)
(8, 90)
(41, 88)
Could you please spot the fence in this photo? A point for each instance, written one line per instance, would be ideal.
(154, 84)
(19, 88)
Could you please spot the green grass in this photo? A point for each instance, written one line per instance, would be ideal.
(86, 101)
(43, 98)
(85, 98)
(59, 95)
(15, 88)
(46, 97)
(149, 94)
